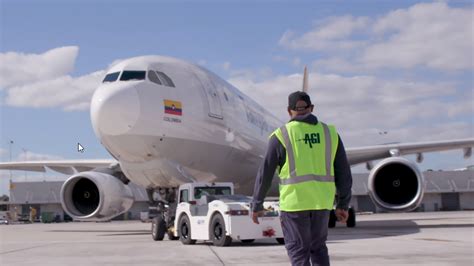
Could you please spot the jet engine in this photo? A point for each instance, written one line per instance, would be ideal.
(95, 196)
(396, 184)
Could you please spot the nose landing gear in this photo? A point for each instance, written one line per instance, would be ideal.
(164, 211)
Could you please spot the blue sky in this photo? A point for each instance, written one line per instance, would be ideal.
(400, 66)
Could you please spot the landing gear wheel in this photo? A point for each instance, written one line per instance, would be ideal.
(332, 219)
(158, 228)
(217, 232)
(351, 220)
(184, 231)
(280, 240)
(247, 241)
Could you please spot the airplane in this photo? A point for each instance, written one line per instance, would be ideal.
(167, 122)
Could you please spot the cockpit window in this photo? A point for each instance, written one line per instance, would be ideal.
(153, 77)
(111, 77)
(133, 75)
(165, 79)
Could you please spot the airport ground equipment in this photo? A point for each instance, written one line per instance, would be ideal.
(211, 212)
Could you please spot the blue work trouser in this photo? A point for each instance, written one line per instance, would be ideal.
(305, 235)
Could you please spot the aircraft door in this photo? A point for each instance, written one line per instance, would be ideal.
(215, 107)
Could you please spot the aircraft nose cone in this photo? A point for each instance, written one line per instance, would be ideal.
(114, 110)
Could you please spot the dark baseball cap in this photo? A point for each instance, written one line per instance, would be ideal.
(298, 96)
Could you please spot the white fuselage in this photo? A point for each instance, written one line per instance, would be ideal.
(197, 127)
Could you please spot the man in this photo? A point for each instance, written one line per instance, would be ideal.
(32, 214)
(15, 214)
(312, 164)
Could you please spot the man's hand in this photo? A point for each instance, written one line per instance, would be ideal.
(342, 215)
(255, 216)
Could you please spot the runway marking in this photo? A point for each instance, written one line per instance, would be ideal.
(23, 249)
(435, 239)
(219, 258)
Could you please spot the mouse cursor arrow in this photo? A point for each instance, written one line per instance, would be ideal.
(80, 148)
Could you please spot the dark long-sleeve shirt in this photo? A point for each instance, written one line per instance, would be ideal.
(276, 156)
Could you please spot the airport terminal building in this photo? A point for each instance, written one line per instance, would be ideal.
(445, 191)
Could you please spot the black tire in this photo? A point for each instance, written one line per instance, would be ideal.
(280, 240)
(247, 241)
(217, 231)
(351, 220)
(332, 219)
(158, 228)
(184, 231)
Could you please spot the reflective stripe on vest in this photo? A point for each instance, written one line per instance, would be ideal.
(293, 178)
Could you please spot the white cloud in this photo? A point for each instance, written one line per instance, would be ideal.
(362, 105)
(17, 69)
(406, 104)
(69, 93)
(330, 34)
(31, 156)
(296, 61)
(431, 35)
(43, 80)
(337, 64)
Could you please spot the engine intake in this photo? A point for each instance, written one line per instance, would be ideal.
(95, 196)
(396, 184)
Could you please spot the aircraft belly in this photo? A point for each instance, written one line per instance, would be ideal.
(173, 161)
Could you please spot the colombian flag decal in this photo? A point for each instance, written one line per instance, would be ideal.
(173, 107)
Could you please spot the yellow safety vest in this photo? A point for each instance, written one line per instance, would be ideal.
(307, 177)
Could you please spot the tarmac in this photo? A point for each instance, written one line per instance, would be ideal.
(436, 238)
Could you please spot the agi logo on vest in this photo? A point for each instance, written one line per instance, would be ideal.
(311, 139)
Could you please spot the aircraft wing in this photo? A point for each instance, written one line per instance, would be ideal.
(62, 166)
(355, 156)
(369, 153)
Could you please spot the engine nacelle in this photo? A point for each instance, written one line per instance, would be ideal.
(95, 196)
(396, 184)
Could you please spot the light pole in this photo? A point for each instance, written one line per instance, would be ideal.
(10, 145)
